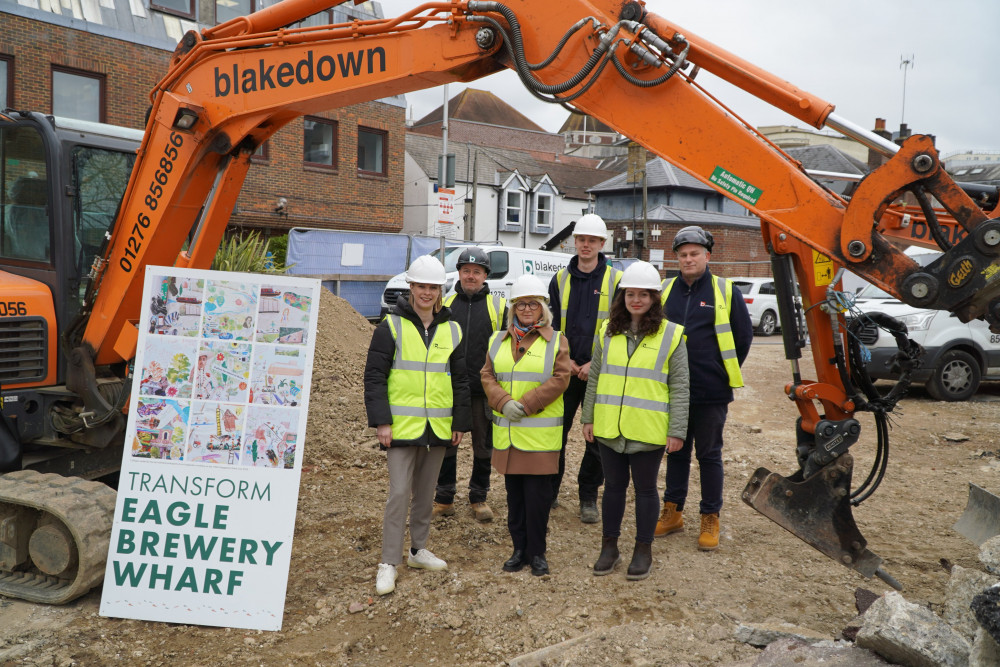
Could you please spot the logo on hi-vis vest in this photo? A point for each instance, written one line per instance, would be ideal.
(267, 76)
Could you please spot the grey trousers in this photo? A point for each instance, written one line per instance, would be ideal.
(413, 473)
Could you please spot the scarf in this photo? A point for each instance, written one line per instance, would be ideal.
(521, 331)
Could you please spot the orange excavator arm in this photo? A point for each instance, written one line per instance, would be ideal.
(233, 86)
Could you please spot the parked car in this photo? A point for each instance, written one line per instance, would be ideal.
(957, 357)
(762, 302)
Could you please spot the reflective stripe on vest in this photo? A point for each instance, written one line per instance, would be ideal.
(633, 398)
(608, 284)
(541, 432)
(494, 305)
(420, 379)
(723, 328)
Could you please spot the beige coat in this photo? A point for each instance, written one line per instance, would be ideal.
(514, 461)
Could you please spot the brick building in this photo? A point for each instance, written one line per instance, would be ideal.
(341, 169)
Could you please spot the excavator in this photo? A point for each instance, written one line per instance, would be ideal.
(232, 86)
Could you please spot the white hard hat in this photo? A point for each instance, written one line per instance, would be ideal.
(591, 224)
(528, 285)
(427, 270)
(640, 275)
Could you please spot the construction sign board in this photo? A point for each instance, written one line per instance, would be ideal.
(213, 449)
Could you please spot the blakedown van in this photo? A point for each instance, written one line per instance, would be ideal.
(506, 265)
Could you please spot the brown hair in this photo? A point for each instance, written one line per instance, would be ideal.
(620, 320)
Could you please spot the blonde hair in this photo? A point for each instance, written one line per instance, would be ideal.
(438, 305)
(545, 319)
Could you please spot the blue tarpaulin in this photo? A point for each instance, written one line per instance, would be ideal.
(319, 252)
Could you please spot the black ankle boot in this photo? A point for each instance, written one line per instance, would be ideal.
(642, 562)
(516, 562)
(539, 565)
(609, 557)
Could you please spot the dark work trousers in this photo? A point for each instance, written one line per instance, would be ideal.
(645, 469)
(591, 475)
(529, 499)
(482, 452)
(705, 423)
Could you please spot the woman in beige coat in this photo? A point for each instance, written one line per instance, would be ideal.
(526, 372)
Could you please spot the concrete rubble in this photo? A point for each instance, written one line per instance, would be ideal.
(909, 634)
(963, 586)
(891, 628)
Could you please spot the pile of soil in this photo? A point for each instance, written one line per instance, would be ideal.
(685, 613)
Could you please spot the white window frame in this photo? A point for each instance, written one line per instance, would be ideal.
(543, 189)
(513, 185)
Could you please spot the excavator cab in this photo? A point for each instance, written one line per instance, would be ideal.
(61, 182)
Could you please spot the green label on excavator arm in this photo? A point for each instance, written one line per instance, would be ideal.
(735, 185)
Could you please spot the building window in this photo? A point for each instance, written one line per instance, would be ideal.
(319, 144)
(542, 222)
(77, 94)
(6, 82)
(371, 151)
(512, 203)
(177, 7)
(262, 154)
(324, 17)
(226, 10)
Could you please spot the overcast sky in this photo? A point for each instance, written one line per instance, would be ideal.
(847, 52)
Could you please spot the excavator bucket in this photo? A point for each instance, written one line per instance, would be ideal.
(981, 519)
(817, 510)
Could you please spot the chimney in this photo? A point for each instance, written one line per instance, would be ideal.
(904, 133)
(876, 159)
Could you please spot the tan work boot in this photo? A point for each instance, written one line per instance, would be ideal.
(482, 512)
(442, 509)
(709, 538)
(670, 521)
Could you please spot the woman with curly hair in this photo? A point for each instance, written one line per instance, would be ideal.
(636, 406)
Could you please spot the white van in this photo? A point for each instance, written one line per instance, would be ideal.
(506, 265)
(957, 357)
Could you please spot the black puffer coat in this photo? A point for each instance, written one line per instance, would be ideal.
(380, 356)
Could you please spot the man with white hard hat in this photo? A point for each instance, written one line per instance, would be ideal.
(719, 333)
(580, 295)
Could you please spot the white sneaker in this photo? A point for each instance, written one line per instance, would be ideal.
(385, 582)
(426, 560)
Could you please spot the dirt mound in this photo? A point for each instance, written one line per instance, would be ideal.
(337, 422)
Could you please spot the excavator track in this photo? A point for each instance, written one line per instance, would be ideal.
(54, 535)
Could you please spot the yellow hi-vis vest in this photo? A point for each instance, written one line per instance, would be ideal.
(633, 398)
(723, 329)
(420, 379)
(494, 305)
(541, 432)
(608, 284)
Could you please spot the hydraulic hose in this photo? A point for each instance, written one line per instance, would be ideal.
(517, 52)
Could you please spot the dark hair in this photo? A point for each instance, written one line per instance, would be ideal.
(620, 320)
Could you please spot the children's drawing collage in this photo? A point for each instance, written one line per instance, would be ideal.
(223, 366)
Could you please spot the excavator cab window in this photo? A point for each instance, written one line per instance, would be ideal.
(25, 232)
(100, 177)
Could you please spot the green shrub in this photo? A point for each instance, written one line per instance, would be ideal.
(248, 253)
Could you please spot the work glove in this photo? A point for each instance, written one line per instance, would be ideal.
(513, 411)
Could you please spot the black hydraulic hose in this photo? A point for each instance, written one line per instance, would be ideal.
(930, 215)
(643, 83)
(521, 62)
(562, 42)
(528, 80)
(881, 462)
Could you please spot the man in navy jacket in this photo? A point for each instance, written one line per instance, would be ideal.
(719, 334)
